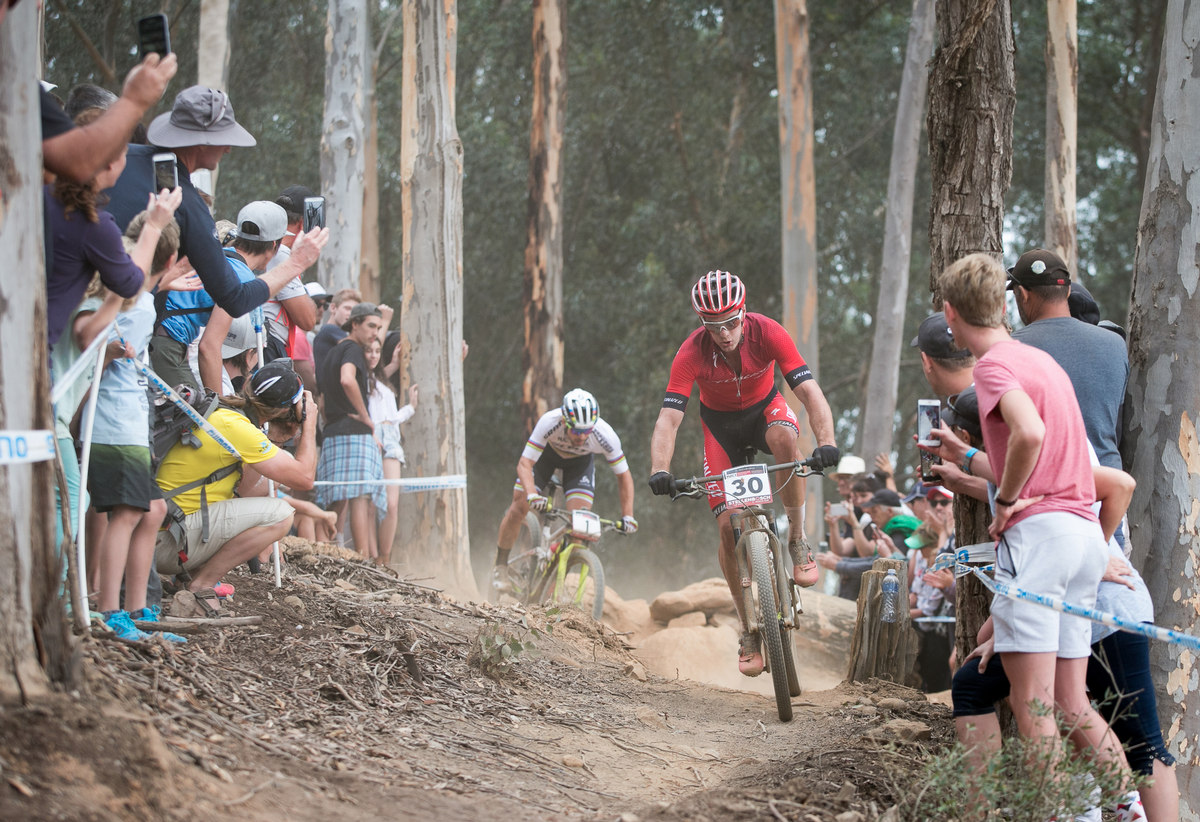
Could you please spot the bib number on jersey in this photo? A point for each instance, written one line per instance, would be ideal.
(746, 485)
(585, 525)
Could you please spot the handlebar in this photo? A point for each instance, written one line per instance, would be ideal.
(564, 515)
(694, 486)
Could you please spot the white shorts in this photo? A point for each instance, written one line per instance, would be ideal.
(226, 519)
(1057, 554)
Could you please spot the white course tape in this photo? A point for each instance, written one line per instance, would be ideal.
(410, 485)
(19, 447)
(85, 361)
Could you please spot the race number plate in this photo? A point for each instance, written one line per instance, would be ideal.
(747, 485)
(585, 525)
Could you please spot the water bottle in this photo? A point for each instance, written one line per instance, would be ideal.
(891, 596)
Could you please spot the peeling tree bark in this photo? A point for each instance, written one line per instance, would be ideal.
(888, 339)
(799, 197)
(971, 100)
(433, 526)
(1062, 104)
(343, 156)
(542, 359)
(34, 638)
(1161, 444)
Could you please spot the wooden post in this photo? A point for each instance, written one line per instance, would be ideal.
(885, 650)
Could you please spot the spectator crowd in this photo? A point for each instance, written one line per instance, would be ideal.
(297, 388)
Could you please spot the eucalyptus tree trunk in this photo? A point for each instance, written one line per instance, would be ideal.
(343, 156)
(798, 193)
(888, 339)
(971, 100)
(1062, 105)
(212, 53)
(1161, 443)
(369, 284)
(433, 528)
(542, 358)
(35, 645)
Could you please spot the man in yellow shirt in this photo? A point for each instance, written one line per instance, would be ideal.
(208, 531)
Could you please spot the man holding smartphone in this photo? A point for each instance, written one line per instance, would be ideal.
(200, 129)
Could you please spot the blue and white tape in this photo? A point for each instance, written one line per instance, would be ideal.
(21, 447)
(410, 485)
(167, 391)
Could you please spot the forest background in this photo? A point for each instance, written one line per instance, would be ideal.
(671, 168)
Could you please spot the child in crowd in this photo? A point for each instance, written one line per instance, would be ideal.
(381, 405)
(121, 480)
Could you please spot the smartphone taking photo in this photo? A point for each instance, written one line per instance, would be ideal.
(929, 417)
(154, 36)
(838, 509)
(314, 213)
(166, 172)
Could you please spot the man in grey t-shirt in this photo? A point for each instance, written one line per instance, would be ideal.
(1094, 358)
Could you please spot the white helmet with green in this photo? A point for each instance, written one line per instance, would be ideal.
(580, 409)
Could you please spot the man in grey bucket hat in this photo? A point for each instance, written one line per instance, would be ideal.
(199, 130)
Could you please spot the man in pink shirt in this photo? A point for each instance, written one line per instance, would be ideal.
(1049, 539)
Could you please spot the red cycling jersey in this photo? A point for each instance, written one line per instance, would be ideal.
(700, 361)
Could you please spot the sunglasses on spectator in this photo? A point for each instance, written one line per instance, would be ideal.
(727, 325)
(939, 501)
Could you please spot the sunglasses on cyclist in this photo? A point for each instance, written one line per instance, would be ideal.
(580, 432)
(727, 325)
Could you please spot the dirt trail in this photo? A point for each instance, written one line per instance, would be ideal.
(355, 700)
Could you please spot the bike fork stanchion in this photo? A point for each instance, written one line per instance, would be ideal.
(748, 610)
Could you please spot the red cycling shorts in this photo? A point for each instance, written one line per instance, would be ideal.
(728, 435)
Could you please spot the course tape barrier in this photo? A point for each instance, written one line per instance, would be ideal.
(85, 361)
(169, 392)
(1146, 629)
(410, 485)
(21, 447)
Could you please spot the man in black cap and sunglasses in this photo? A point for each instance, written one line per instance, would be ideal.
(199, 130)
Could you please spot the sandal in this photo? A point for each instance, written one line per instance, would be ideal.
(203, 604)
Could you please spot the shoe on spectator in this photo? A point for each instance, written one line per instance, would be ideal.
(1130, 809)
(804, 567)
(224, 590)
(500, 580)
(750, 658)
(123, 626)
(150, 614)
(254, 564)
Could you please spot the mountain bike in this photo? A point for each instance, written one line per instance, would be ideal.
(770, 596)
(555, 557)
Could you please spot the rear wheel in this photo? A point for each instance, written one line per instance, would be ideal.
(583, 571)
(769, 622)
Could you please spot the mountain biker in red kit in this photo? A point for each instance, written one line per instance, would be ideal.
(732, 358)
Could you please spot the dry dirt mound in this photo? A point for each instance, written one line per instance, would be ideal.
(355, 699)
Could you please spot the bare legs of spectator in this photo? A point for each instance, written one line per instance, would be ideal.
(236, 551)
(362, 526)
(387, 526)
(1160, 794)
(980, 735)
(1043, 679)
(126, 550)
(95, 525)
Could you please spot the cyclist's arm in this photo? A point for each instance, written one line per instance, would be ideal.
(820, 418)
(525, 474)
(625, 491)
(662, 442)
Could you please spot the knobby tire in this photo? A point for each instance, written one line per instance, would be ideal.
(769, 627)
(587, 565)
(523, 566)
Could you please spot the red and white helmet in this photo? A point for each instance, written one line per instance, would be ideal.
(718, 292)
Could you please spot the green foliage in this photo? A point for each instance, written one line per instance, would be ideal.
(497, 648)
(1020, 783)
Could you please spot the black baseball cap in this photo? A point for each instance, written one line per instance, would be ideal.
(962, 410)
(276, 384)
(886, 497)
(292, 199)
(1038, 267)
(935, 339)
(1083, 305)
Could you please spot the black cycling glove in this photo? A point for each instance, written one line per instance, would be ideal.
(662, 482)
(825, 456)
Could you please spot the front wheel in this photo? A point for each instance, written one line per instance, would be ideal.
(524, 561)
(769, 622)
(582, 566)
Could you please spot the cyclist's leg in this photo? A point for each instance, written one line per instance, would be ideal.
(579, 481)
(781, 435)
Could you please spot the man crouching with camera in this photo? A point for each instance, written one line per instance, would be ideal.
(208, 531)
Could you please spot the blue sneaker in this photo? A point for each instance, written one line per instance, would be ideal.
(151, 614)
(123, 626)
